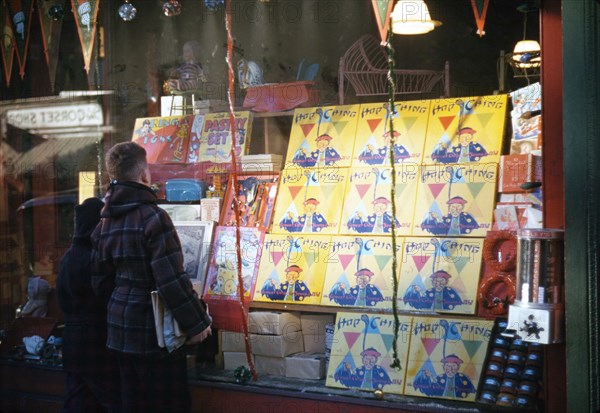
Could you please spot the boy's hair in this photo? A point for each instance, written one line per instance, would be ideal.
(126, 161)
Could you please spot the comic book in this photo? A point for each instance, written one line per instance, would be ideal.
(440, 274)
(373, 134)
(368, 206)
(292, 269)
(446, 357)
(455, 200)
(465, 130)
(362, 352)
(359, 272)
(309, 200)
(166, 139)
(323, 136)
(215, 141)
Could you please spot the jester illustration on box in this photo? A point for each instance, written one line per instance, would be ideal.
(322, 137)
(309, 200)
(440, 274)
(292, 269)
(373, 134)
(455, 200)
(165, 139)
(446, 357)
(222, 278)
(465, 130)
(362, 352)
(368, 208)
(358, 271)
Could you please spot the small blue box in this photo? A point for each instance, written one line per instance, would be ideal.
(178, 190)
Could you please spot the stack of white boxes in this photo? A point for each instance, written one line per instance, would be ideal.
(283, 344)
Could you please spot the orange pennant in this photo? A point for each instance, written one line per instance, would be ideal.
(85, 12)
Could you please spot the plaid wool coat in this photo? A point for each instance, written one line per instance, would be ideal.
(137, 248)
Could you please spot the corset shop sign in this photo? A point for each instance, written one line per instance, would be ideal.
(56, 116)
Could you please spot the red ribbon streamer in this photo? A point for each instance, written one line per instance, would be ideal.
(234, 177)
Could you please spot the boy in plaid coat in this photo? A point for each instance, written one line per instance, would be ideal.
(136, 248)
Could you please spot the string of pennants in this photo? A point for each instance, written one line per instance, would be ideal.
(15, 22)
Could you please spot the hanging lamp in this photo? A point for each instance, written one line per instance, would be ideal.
(412, 17)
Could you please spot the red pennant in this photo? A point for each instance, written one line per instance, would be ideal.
(373, 124)
(383, 10)
(436, 189)
(480, 15)
(420, 261)
(346, 259)
(294, 190)
(446, 121)
(362, 189)
(276, 256)
(351, 338)
(429, 344)
(51, 30)
(306, 128)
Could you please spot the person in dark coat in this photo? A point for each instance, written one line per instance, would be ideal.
(92, 371)
(136, 247)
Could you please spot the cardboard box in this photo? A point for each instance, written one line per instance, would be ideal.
(231, 341)
(305, 366)
(273, 322)
(315, 323)
(277, 346)
(518, 169)
(314, 343)
(274, 366)
(233, 359)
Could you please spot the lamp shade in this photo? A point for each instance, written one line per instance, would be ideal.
(412, 17)
(527, 54)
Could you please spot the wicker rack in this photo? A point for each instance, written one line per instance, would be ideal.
(365, 67)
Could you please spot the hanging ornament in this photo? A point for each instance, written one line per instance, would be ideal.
(213, 4)
(171, 8)
(56, 12)
(127, 11)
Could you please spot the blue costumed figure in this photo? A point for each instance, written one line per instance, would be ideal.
(457, 222)
(369, 376)
(377, 156)
(438, 298)
(325, 155)
(465, 151)
(363, 294)
(310, 221)
(450, 384)
(293, 289)
(379, 222)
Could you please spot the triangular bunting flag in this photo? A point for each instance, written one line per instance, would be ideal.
(480, 11)
(446, 121)
(351, 338)
(294, 190)
(382, 260)
(86, 12)
(470, 370)
(20, 13)
(373, 123)
(429, 344)
(383, 10)
(458, 283)
(306, 128)
(388, 341)
(339, 126)
(472, 346)
(460, 264)
(8, 43)
(51, 30)
(409, 121)
(362, 189)
(476, 187)
(420, 261)
(310, 257)
(485, 118)
(345, 260)
(276, 256)
(436, 189)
